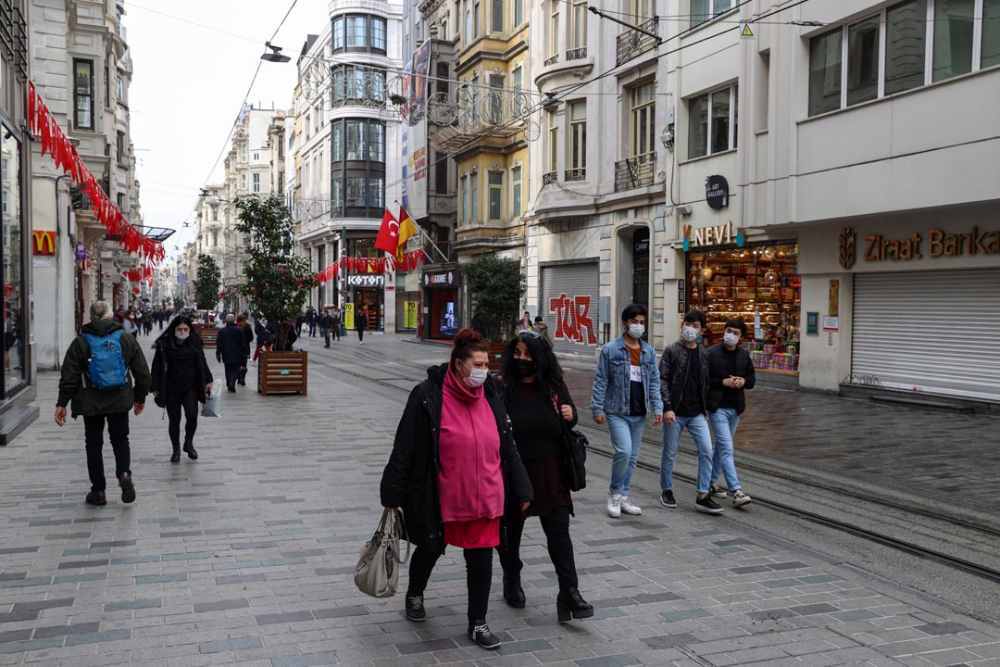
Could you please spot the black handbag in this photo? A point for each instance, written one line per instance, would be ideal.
(574, 454)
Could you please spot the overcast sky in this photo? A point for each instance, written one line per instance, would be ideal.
(188, 84)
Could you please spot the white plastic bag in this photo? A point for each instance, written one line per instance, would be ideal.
(213, 402)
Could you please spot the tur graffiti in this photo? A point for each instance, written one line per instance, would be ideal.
(573, 321)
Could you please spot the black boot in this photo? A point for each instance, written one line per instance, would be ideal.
(176, 456)
(570, 604)
(513, 593)
(480, 633)
(189, 448)
(415, 608)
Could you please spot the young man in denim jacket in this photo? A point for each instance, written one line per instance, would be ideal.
(626, 389)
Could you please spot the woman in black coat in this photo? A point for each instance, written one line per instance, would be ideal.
(181, 380)
(455, 429)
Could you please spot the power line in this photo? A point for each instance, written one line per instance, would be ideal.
(132, 5)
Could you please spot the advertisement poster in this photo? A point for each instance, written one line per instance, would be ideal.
(349, 316)
(410, 321)
(415, 156)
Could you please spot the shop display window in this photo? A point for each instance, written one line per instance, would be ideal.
(15, 362)
(759, 284)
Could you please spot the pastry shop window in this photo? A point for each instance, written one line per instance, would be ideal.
(758, 283)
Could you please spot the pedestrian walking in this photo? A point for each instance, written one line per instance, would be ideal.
(453, 469)
(684, 376)
(232, 349)
(104, 375)
(266, 332)
(730, 373)
(313, 320)
(128, 324)
(540, 409)
(361, 323)
(525, 323)
(626, 389)
(326, 324)
(147, 322)
(335, 323)
(241, 321)
(540, 327)
(181, 380)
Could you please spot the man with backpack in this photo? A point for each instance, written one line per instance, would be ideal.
(104, 375)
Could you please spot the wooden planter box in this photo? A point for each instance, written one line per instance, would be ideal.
(209, 335)
(496, 352)
(283, 373)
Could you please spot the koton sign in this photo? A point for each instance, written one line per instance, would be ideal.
(365, 281)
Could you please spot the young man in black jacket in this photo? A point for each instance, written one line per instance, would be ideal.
(730, 372)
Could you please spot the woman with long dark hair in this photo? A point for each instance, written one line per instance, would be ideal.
(541, 410)
(181, 380)
(455, 471)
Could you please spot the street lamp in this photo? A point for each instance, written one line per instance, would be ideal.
(275, 56)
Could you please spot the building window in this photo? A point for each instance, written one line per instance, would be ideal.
(642, 122)
(338, 33)
(862, 61)
(120, 147)
(825, 57)
(338, 193)
(15, 291)
(515, 186)
(518, 12)
(474, 211)
(281, 182)
(553, 157)
(215, 238)
(121, 201)
(440, 174)
(554, 28)
(355, 135)
(243, 179)
(464, 186)
(256, 157)
(496, 99)
(121, 87)
(107, 88)
(953, 34)
(376, 142)
(243, 153)
(358, 83)
(83, 94)
(359, 32)
(477, 18)
(256, 182)
(713, 122)
(337, 135)
(496, 195)
(496, 16)
(517, 84)
(991, 34)
(905, 46)
(467, 23)
(706, 10)
(577, 141)
(378, 33)
(578, 25)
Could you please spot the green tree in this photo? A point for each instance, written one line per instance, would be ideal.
(208, 283)
(277, 282)
(496, 289)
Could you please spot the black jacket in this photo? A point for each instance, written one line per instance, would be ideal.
(673, 375)
(410, 477)
(361, 322)
(163, 345)
(719, 370)
(232, 347)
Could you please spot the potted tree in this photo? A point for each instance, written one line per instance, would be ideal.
(277, 285)
(496, 291)
(206, 294)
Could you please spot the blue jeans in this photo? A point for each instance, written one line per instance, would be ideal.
(698, 428)
(626, 438)
(724, 423)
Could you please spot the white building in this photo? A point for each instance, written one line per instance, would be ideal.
(348, 149)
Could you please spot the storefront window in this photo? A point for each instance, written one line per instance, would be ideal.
(13, 268)
(758, 284)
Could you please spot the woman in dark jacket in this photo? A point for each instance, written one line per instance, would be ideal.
(181, 379)
(540, 410)
(455, 471)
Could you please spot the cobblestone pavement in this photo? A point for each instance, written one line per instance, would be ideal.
(246, 556)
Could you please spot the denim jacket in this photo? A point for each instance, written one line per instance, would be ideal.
(612, 383)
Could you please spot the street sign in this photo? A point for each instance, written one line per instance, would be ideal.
(81, 251)
(746, 32)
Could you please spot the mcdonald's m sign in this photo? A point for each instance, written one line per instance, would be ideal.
(43, 243)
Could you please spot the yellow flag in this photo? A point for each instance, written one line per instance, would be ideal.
(407, 228)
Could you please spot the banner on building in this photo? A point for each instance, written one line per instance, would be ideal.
(415, 155)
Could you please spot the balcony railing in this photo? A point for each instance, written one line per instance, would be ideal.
(576, 54)
(550, 177)
(551, 61)
(576, 174)
(635, 172)
(633, 43)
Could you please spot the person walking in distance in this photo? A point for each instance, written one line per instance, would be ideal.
(104, 375)
(181, 380)
(542, 328)
(730, 373)
(541, 410)
(626, 389)
(266, 332)
(455, 471)
(361, 323)
(325, 323)
(241, 322)
(335, 323)
(684, 387)
(232, 350)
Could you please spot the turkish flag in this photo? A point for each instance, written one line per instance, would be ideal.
(388, 234)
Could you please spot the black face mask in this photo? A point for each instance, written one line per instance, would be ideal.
(525, 367)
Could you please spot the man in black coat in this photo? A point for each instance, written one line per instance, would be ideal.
(232, 349)
(730, 372)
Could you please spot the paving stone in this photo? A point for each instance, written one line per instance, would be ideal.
(63, 630)
(941, 628)
(428, 646)
(230, 644)
(621, 660)
(201, 607)
(311, 660)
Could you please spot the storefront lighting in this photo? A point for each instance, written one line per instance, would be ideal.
(706, 273)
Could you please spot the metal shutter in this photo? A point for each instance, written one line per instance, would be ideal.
(569, 305)
(932, 331)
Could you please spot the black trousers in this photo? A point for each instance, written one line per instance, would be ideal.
(478, 575)
(361, 334)
(556, 527)
(93, 428)
(232, 374)
(188, 401)
(242, 376)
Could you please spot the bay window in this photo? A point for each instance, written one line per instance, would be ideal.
(83, 94)
(359, 32)
(496, 195)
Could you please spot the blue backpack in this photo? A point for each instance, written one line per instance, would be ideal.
(106, 363)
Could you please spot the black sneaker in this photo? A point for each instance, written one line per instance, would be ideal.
(708, 505)
(480, 633)
(415, 609)
(716, 492)
(667, 499)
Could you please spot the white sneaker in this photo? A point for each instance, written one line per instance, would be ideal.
(615, 505)
(739, 498)
(629, 508)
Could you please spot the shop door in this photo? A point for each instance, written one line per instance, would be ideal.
(444, 323)
(928, 332)
(569, 306)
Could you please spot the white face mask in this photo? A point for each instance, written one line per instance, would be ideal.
(731, 339)
(689, 334)
(477, 376)
(182, 336)
(636, 330)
